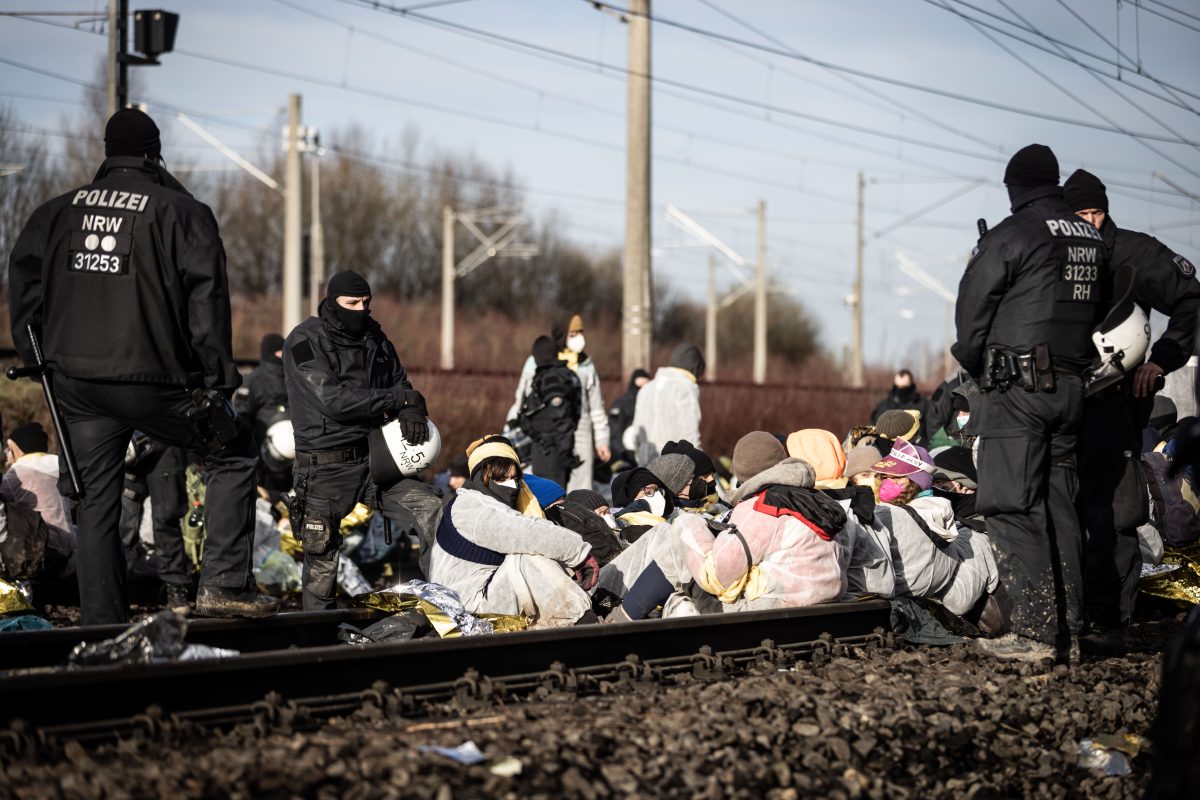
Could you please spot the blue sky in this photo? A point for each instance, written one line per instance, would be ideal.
(560, 128)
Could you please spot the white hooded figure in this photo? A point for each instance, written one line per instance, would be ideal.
(668, 407)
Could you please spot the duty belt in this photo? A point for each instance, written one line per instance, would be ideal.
(335, 456)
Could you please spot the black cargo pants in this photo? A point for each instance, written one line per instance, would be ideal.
(1112, 560)
(161, 477)
(1027, 490)
(330, 492)
(100, 417)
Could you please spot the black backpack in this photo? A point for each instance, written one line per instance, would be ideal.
(552, 404)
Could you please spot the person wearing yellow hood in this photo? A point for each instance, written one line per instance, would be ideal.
(591, 432)
(496, 550)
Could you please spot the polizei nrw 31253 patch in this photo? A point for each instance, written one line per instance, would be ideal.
(101, 242)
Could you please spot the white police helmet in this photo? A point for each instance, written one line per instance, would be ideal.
(1122, 341)
(393, 457)
(281, 440)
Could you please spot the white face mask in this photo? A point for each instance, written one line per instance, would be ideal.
(511, 483)
(575, 343)
(963, 419)
(658, 503)
(609, 520)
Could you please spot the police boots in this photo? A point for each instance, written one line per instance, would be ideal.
(220, 601)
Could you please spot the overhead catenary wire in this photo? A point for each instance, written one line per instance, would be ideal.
(1040, 73)
(854, 71)
(1158, 13)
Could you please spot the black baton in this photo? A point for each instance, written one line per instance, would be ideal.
(39, 371)
(981, 226)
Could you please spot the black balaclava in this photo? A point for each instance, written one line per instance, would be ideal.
(131, 132)
(1032, 167)
(271, 344)
(1084, 190)
(348, 283)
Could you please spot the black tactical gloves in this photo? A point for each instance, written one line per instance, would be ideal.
(411, 413)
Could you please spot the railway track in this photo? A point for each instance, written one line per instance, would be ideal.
(311, 680)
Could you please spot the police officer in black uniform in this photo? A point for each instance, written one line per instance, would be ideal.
(262, 401)
(1113, 418)
(1027, 304)
(124, 280)
(344, 379)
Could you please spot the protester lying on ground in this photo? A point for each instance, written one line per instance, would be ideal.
(933, 557)
(865, 547)
(497, 552)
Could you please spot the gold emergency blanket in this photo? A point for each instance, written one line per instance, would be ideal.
(11, 599)
(1182, 584)
(440, 620)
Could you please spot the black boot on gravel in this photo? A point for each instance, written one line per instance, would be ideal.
(219, 601)
(1103, 643)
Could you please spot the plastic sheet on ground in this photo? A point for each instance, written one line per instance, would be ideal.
(350, 578)
(443, 609)
(156, 638)
(1101, 759)
(359, 515)
(913, 623)
(1181, 583)
(201, 652)
(406, 625)
(278, 574)
(467, 753)
(12, 599)
(24, 622)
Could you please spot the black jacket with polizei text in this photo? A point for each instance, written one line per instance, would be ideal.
(1039, 277)
(339, 386)
(124, 279)
(1163, 281)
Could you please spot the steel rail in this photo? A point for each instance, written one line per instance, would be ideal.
(135, 696)
(31, 649)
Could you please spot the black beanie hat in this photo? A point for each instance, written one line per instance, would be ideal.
(131, 132)
(688, 356)
(271, 344)
(347, 283)
(31, 437)
(544, 351)
(1032, 165)
(1084, 190)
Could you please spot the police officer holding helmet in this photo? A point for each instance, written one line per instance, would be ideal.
(124, 281)
(1027, 304)
(1112, 498)
(344, 380)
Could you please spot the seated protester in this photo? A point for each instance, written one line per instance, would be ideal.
(932, 556)
(32, 480)
(958, 430)
(1174, 498)
(702, 494)
(451, 479)
(1164, 420)
(897, 424)
(37, 539)
(593, 501)
(497, 552)
(858, 470)
(956, 480)
(647, 496)
(781, 549)
(865, 548)
(547, 492)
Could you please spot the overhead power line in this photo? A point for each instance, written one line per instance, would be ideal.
(1169, 7)
(1181, 23)
(851, 71)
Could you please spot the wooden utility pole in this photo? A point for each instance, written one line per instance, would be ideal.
(760, 299)
(857, 379)
(316, 236)
(447, 287)
(293, 278)
(710, 323)
(637, 303)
